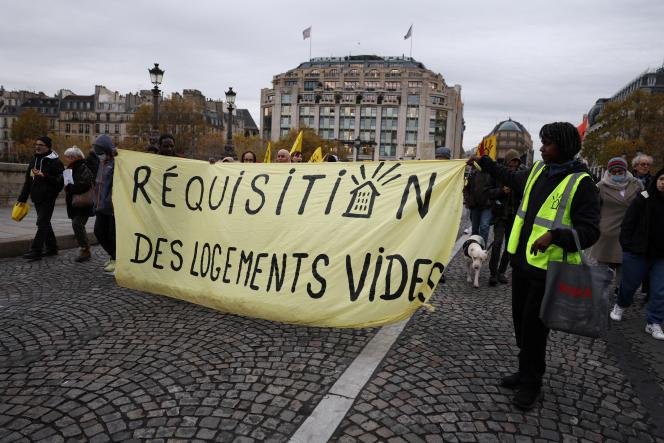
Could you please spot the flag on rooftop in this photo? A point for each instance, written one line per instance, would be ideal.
(409, 33)
(306, 33)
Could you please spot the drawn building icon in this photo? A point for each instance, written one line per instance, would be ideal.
(364, 195)
(362, 201)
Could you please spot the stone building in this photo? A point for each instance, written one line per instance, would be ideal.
(511, 134)
(394, 105)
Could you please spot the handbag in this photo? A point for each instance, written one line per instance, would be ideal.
(576, 296)
(20, 210)
(83, 200)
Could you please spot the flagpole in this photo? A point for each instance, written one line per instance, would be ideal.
(411, 45)
(310, 47)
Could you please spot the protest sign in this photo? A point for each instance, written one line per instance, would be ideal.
(324, 244)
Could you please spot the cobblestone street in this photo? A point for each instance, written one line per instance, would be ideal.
(84, 360)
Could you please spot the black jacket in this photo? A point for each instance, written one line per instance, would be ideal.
(83, 181)
(47, 188)
(480, 191)
(641, 230)
(584, 209)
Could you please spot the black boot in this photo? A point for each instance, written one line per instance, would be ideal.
(511, 381)
(526, 397)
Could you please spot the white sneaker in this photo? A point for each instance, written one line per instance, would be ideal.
(107, 262)
(110, 267)
(617, 313)
(655, 330)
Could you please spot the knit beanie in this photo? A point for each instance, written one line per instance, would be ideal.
(46, 140)
(617, 163)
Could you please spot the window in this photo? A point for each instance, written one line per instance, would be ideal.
(353, 73)
(413, 99)
(368, 111)
(395, 73)
(436, 100)
(412, 112)
(80, 128)
(96, 128)
(310, 85)
(414, 84)
(351, 85)
(373, 73)
(391, 112)
(393, 86)
(290, 83)
(285, 121)
(333, 72)
(285, 109)
(331, 85)
(347, 111)
(372, 84)
(286, 99)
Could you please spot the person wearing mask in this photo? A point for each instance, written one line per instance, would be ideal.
(642, 241)
(248, 157)
(103, 204)
(617, 189)
(81, 182)
(559, 181)
(43, 182)
(641, 165)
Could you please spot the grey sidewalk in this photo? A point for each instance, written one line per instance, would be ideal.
(82, 359)
(15, 237)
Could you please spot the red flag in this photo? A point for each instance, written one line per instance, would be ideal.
(583, 126)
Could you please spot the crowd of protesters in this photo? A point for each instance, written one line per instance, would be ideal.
(620, 217)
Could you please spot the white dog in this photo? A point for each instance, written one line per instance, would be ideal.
(475, 254)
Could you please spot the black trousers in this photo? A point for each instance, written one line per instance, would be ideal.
(105, 233)
(44, 235)
(531, 334)
(497, 248)
(78, 225)
(505, 257)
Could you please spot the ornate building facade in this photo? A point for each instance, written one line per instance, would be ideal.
(511, 134)
(394, 106)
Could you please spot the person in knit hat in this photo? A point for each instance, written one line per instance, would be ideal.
(617, 189)
(43, 183)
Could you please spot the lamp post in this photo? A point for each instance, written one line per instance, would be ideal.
(357, 144)
(156, 75)
(230, 101)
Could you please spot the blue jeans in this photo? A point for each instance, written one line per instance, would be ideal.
(634, 269)
(481, 222)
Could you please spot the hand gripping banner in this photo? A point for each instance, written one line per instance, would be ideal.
(320, 244)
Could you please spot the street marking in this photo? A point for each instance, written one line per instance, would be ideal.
(325, 419)
(332, 409)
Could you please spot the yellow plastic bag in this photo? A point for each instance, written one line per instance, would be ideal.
(19, 211)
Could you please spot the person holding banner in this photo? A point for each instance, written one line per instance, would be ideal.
(248, 157)
(536, 238)
(283, 156)
(103, 204)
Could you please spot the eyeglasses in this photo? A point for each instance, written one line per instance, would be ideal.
(643, 164)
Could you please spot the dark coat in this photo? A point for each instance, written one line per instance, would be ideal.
(584, 209)
(47, 188)
(641, 230)
(480, 191)
(83, 181)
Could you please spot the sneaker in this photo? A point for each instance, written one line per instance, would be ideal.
(110, 267)
(493, 281)
(502, 279)
(655, 330)
(107, 262)
(511, 381)
(526, 397)
(616, 313)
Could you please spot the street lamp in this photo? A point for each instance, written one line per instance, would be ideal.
(230, 101)
(357, 144)
(156, 75)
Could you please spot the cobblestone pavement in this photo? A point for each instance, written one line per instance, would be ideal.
(439, 380)
(84, 360)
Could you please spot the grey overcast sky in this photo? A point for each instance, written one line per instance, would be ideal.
(535, 61)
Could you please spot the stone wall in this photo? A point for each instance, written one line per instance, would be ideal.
(12, 176)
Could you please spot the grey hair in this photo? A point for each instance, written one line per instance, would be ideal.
(74, 152)
(641, 157)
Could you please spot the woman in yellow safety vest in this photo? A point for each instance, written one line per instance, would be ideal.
(540, 234)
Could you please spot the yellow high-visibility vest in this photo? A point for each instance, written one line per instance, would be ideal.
(554, 213)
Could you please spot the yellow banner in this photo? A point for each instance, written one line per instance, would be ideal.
(322, 244)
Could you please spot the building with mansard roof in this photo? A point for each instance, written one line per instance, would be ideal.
(510, 134)
(395, 106)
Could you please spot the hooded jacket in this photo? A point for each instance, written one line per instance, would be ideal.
(584, 209)
(106, 152)
(46, 188)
